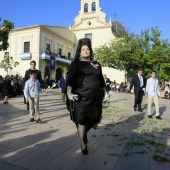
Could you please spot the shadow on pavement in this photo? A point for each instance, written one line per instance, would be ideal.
(123, 141)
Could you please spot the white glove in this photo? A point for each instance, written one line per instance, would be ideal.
(70, 95)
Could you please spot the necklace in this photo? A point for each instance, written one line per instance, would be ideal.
(84, 59)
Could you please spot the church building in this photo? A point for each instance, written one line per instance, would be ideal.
(43, 43)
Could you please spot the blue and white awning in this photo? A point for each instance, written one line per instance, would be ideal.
(25, 56)
(47, 56)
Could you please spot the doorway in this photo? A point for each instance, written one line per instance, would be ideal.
(59, 72)
(47, 73)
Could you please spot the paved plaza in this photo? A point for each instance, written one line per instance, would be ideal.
(124, 140)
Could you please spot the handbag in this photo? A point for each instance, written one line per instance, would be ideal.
(76, 98)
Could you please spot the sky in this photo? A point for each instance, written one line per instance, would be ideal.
(137, 15)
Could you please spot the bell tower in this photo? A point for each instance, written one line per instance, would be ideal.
(91, 23)
(89, 6)
(90, 13)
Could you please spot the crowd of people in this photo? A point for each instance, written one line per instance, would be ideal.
(12, 85)
(164, 87)
(16, 85)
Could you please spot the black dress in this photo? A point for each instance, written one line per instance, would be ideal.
(86, 79)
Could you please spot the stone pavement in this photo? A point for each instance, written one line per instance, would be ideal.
(124, 140)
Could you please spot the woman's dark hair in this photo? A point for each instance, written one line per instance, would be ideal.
(83, 41)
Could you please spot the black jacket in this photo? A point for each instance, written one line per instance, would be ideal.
(6, 85)
(108, 82)
(136, 83)
(38, 76)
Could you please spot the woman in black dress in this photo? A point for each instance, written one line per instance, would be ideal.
(85, 86)
(6, 88)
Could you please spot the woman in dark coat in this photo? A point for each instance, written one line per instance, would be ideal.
(6, 88)
(63, 86)
(85, 84)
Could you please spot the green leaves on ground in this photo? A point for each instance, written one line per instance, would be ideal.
(136, 133)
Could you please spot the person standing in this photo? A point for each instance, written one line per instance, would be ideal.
(152, 94)
(38, 76)
(63, 86)
(31, 93)
(85, 83)
(6, 88)
(139, 84)
(108, 88)
(108, 83)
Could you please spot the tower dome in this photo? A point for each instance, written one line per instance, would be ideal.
(117, 29)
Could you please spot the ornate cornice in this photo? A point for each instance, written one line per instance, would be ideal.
(66, 41)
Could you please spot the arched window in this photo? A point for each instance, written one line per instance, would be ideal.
(86, 8)
(93, 9)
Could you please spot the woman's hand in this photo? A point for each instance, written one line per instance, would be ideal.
(70, 95)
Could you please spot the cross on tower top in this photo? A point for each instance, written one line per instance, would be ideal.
(115, 14)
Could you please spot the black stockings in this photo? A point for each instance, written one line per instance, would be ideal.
(82, 131)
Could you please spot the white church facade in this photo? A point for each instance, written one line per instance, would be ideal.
(40, 42)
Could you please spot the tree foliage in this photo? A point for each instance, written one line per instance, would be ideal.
(8, 64)
(145, 50)
(5, 28)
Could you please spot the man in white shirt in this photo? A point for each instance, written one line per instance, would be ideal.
(152, 94)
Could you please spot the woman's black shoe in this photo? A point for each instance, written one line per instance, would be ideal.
(84, 151)
(32, 120)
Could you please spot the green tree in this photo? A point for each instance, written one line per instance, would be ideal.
(122, 54)
(145, 50)
(8, 64)
(5, 28)
(156, 53)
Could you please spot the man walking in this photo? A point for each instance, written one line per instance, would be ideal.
(139, 83)
(108, 88)
(152, 93)
(63, 86)
(38, 76)
(107, 82)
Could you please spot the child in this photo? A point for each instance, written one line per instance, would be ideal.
(31, 93)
